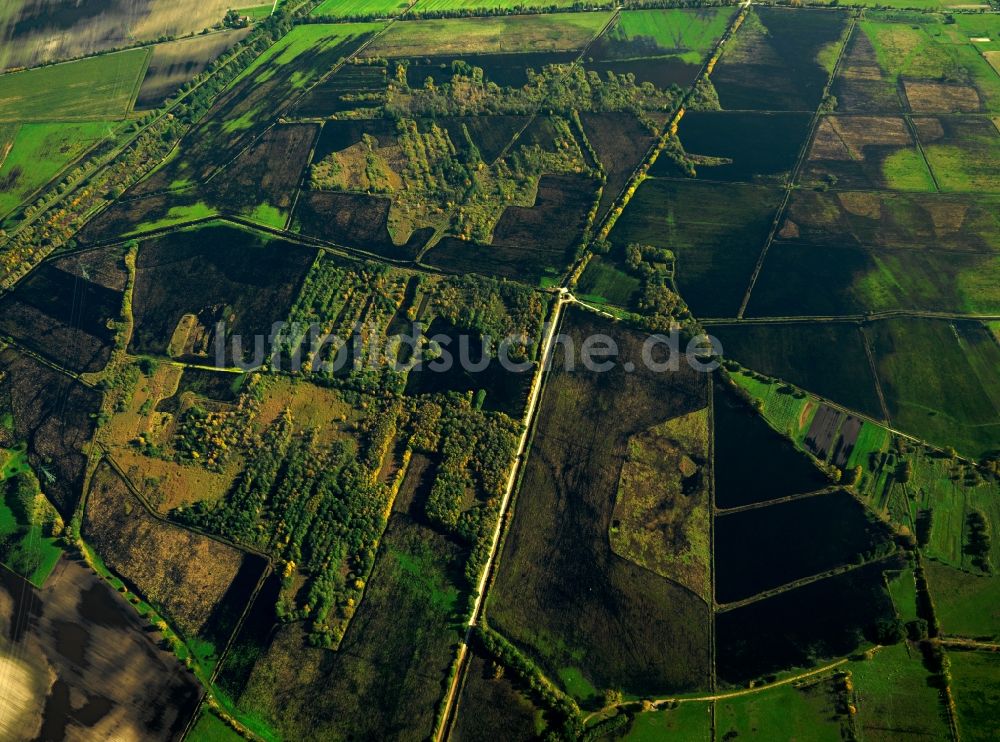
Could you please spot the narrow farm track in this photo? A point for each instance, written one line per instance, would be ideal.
(448, 705)
(850, 318)
(802, 582)
(873, 365)
(779, 501)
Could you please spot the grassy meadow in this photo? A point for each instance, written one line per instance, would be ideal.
(96, 88)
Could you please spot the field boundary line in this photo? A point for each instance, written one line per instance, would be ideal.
(866, 341)
(795, 584)
(793, 175)
(713, 674)
(849, 318)
(757, 688)
(139, 80)
(911, 127)
(721, 513)
(517, 466)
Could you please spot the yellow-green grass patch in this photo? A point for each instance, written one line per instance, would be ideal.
(556, 32)
(96, 88)
(361, 8)
(965, 604)
(39, 152)
(975, 684)
(814, 709)
(661, 516)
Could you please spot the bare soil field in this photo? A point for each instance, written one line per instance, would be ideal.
(90, 666)
(41, 31)
(176, 62)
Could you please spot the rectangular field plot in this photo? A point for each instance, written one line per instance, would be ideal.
(202, 585)
(342, 91)
(96, 89)
(494, 706)
(865, 152)
(779, 60)
(78, 638)
(687, 721)
(556, 32)
(742, 440)
(965, 604)
(402, 637)
(662, 46)
(716, 232)
(895, 697)
(813, 709)
(802, 627)
(360, 8)
(255, 99)
(762, 548)
(936, 68)
(850, 281)
(444, 6)
(36, 153)
(34, 32)
(861, 84)
(751, 147)
(621, 141)
(963, 152)
(588, 616)
(940, 381)
(916, 221)
(174, 63)
(977, 694)
(214, 274)
(262, 182)
(53, 418)
(63, 317)
(828, 359)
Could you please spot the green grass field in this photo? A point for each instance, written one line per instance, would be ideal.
(893, 698)
(934, 385)
(30, 553)
(526, 33)
(96, 88)
(425, 6)
(354, 8)
(310, 38)
(690, 32)
(38, 153)
(210, 728)
(690, 722)
(906, 170)
(790, 415)
(965, 604)
(604, 283)
(786, 712)
(975, 683)
(176, 215)
(933, 51)
(963, 153)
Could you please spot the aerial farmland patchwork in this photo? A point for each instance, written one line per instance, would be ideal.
(476, 370)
